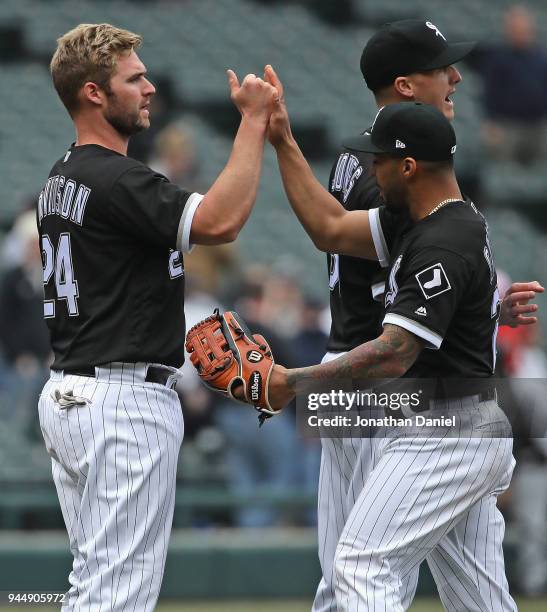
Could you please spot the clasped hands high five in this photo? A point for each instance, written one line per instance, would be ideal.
(261, 99)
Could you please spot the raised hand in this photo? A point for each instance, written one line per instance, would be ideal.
(279, 127)
(515, 307)
(254, 98)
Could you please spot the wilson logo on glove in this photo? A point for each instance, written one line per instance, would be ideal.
(254, 356)
(231, 360)
(256, 386)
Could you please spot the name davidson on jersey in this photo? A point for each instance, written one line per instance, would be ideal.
(63, 197)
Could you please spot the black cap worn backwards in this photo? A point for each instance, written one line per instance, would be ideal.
(408, 129)
(402, 47)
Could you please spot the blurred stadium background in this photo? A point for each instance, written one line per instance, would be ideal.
(244, 525)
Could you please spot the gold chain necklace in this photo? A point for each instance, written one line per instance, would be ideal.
(441, 204)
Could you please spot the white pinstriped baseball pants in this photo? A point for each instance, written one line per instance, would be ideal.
(114, 464)
(421, 491)
(465, 556)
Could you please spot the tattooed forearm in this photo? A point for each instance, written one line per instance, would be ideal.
(388, 356)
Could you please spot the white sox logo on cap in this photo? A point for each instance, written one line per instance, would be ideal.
(432, 26)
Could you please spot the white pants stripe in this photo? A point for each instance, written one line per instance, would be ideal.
(114, 465)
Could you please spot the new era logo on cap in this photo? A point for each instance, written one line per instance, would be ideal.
(408, 129)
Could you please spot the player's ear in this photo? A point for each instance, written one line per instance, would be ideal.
(409, 167)
(92, 93)
(403, 86)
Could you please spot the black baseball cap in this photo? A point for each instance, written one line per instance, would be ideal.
(408, 129)
(402, 47)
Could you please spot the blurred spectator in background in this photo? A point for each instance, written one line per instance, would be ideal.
(281, 305)
(198, 400)
(12, 247)
(259, 461)
(311, 340)
(310, 344)
(514, 74)
(24, 337)
(23, 334)
(525, 400)
(529, 488)
(530, 480)
(213, 269)
(175, 156)
(201, 459)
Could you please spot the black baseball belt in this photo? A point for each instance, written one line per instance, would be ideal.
(449, 389)
(154, 374)
(438, 393)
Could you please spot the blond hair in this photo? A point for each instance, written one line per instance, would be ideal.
(89, 52)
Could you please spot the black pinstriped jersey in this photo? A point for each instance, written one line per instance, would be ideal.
(111, 234)
(355, 313)
(442, 287)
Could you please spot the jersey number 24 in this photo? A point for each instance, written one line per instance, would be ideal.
(59, 264)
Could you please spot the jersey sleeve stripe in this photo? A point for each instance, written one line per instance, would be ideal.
(378, 290)
(433, 340)
(185, 225)
(378, 237)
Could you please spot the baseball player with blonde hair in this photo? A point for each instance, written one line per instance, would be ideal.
(113, 234)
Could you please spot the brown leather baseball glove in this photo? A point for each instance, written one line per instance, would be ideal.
(231, 360)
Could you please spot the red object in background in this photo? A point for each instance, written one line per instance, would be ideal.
(511, 342)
